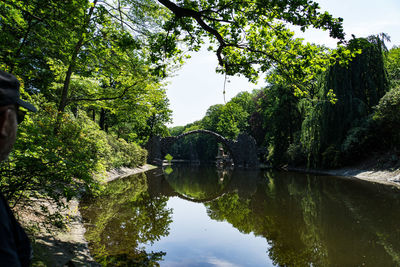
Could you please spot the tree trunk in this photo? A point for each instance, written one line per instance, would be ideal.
(65, 90)
(102, 119)
(78, 46)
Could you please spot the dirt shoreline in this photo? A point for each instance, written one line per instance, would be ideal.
(70, 248)
(125, 172)
(387, 177)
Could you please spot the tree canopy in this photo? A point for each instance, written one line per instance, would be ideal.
(252, 35)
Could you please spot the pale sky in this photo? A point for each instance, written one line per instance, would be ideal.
(196, 86)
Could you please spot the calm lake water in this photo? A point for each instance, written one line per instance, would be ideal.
(199, 216)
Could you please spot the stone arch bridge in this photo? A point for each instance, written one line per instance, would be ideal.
(243, 150)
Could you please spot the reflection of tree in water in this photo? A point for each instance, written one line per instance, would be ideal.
(124, 217)
(306, 220)
(317, 221)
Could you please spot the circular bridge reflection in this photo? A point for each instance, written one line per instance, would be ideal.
(200, 187)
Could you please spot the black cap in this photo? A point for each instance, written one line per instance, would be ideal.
(9, 92)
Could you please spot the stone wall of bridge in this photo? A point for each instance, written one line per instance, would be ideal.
(243, 150)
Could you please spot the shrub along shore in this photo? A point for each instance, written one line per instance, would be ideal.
(61, 158)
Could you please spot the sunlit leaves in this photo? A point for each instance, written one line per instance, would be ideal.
(251, 36)
(392, 62)
(331, 96)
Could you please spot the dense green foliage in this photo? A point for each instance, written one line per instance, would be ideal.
(357, 87)
(62, 165)
(334, 125)
(348, 113)
(393, 66)
(387, 118)
(98, 92)
(280, 117)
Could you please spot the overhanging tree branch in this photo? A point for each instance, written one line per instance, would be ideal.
(230, 21)
(93, 99)
(197, 15)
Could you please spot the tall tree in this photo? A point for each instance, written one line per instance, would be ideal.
(281, 119)
(338, 118)
(358, 88)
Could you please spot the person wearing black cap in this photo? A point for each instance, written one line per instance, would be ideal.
(15, 247)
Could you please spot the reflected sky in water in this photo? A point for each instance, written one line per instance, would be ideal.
(196, 240)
